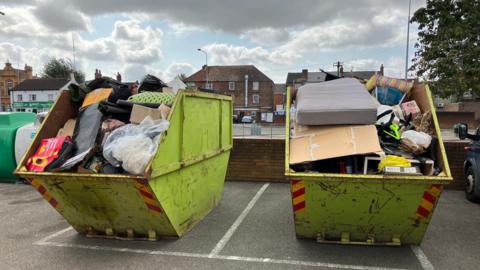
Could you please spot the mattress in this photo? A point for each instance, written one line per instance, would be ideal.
(338, 102)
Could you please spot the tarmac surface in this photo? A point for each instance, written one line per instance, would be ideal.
(252, 228)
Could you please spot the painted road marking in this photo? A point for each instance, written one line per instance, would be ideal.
(50, 237)
(208, 256)
(422, 258)
(226, 237)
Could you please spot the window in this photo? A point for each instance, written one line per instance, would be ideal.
(33, 97)
(9, 85)
(256, 86)
(231, 85)
(19, 97)
(256, 99)
(50, 97)
(209, 85)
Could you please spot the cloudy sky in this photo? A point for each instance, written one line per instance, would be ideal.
(162, 37)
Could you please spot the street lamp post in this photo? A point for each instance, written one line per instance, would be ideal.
(408, 39)
(206, 66)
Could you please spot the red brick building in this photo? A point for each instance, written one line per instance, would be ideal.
(231, 80)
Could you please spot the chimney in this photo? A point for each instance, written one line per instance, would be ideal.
(381, 69)
(305, 75)
(28, 72)
(119, 77)
(99, 74)
(341, 71)
(96, 73)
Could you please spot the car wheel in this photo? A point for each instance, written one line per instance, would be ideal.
(470, 185)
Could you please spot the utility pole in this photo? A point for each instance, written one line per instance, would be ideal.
(206, 66)
(338, 65)
(73, 51)
(408, 39)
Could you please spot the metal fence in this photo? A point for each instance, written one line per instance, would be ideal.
(260, 130)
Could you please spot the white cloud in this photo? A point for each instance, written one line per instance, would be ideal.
(268, 35)
(175, 69)
(182, 28)
(393, 66)
(225, 54)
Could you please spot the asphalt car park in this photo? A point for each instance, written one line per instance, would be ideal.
(252, 228)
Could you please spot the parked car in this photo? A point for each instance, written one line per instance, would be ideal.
(471, 167)
(247, 119)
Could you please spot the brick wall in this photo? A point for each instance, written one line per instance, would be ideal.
(257, 160)
(456, 156)
(263, 160)
(448, 119)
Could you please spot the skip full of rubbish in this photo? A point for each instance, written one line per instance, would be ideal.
(344, 126)
(116, 129)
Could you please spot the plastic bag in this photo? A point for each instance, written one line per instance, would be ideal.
(419, 138)
(132, 146)
(415, 142)
(394, 161)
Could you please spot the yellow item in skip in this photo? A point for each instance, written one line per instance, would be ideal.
(394, 161)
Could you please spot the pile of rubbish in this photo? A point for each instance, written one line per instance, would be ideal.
(116, 129)
(344, 126)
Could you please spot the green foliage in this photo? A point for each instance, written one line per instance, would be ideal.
(61, 68)
(448, 51)
(182, 76)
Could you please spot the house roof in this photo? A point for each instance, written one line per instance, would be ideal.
(365, 75)
(279, 88)
(291, 76)
(229, 73)
(316, 76)
(41, 84)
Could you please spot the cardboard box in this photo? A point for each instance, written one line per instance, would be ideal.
(96, 95)
(140, 112)
(312, 143)
(394, 170)
(410, 107)
(67, 129)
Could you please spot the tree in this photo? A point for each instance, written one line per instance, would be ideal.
(182, 77)
(61, 68)
(448, 47)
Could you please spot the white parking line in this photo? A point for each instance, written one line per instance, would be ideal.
(214, 254)
(208, 256)
(226, 237)
(422, 258)
(44, 240)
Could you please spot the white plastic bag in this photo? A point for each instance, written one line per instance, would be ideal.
(421, 139)
(132, 146)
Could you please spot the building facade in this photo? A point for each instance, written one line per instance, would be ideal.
(9, 78)
(37, 95)
(251, 90)
(279, 98)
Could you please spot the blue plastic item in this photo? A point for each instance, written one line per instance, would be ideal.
(388, 95)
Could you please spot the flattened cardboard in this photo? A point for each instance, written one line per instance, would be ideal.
(96, 95)
(140, 112)
(67, 129)
(323, 142)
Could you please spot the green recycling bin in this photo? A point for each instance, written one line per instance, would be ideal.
(9, 123)
(183, 182)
